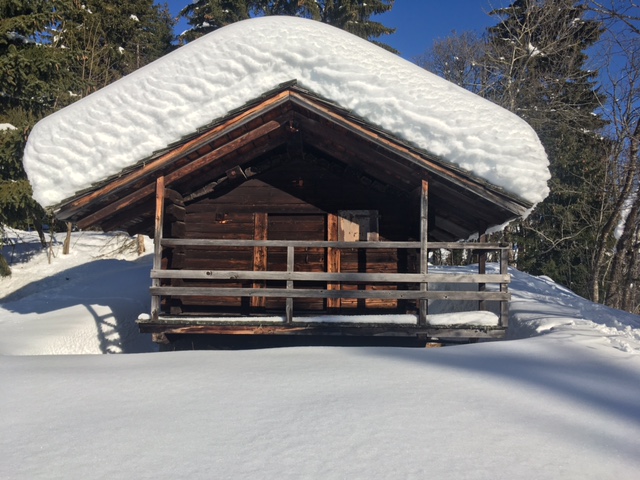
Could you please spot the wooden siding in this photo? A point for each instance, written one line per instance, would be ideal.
(276, 199)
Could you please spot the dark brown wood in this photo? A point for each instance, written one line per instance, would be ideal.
(233, 145)
(253, 202)
(398, 149)
(146, 191)
(170, 242)
(345, 277)
(117, 207)
(174, 197)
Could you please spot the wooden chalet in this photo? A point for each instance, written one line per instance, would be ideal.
(290, 214)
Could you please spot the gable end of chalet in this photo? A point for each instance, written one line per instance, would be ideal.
(307, 148)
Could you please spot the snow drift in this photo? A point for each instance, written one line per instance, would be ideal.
(563, 404)
(130, 119)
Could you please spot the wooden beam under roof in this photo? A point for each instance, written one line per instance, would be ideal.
(145, 192)
(454, 174)
(69, 209)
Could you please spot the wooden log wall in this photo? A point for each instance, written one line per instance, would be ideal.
(259, 210)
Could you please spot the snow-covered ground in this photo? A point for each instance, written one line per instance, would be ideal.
(560, 399)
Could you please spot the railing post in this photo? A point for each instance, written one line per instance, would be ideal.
(333, 259)
(157, 244)
(423, 307)
(504, 304)
(482, 269)
(260, 225)
(290, 265)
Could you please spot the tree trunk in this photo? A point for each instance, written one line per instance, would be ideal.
(610, 225)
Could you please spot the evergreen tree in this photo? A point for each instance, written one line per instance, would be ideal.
(51, 54)
(537, 69)
(34, 81)
(111, 39)
(205, 16)
(353, 16)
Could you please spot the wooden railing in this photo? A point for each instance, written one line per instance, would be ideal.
(291, 290)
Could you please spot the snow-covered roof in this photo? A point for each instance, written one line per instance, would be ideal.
(158, 104)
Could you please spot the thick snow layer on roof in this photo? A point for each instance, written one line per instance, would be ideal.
(130, 119)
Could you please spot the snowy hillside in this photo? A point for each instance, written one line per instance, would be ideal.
(559, 400)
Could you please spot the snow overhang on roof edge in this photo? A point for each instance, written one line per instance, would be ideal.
(116, 127)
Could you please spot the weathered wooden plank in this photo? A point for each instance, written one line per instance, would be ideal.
(209, 228)
(482, 269)
(174, 197)
(116, 207)
(178, 229)
(359, 156)
(323, 293)
(333, 258)
(205, 160)
(172, 242)
(290, 267)
(174, 213)
(332, 277)
(176, 175)
(204, 326)
(261, 222)
(157, 244)
(423, 304)
(504, 305)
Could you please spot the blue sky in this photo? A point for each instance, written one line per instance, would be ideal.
(418, 22)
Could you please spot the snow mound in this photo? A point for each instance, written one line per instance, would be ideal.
(158, 104)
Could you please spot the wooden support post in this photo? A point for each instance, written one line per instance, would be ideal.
(290, 265)
(140, 244)
(482, 269)
(333, 258)
(423, 303)
(504, 304)
(66, 246)
(260, 222)
(157, 244)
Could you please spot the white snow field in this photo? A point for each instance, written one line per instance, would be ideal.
(128, 120)
(561, 399)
